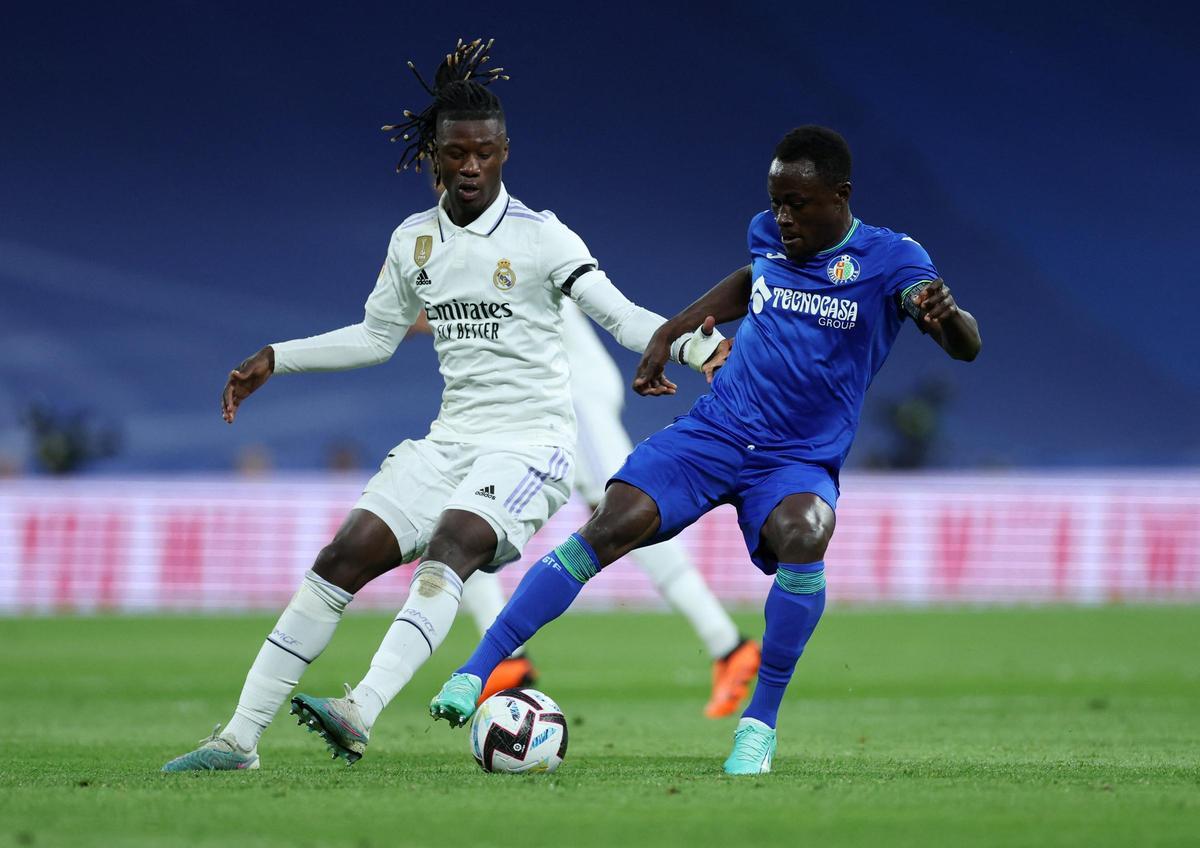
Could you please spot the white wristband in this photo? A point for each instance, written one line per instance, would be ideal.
(693, 349)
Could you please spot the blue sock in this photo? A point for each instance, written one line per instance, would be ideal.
(544, 594)
(794, 606)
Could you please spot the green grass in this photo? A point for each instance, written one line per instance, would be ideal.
(1018, 727)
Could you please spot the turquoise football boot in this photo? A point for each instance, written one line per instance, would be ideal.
(456, 702)
(216, 753)
(337, 721)
(753, 748)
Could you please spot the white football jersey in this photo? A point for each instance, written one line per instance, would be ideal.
(492, 292)
(595, 377)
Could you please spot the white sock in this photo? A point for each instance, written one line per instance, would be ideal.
(422, 624)
(299, 637)
(678, 581)
(482, 599)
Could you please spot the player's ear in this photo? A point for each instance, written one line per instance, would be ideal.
(504, 158)
(843, 191)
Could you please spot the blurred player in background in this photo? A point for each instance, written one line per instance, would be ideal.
(491, 274)
(824, 298)
(598, 395)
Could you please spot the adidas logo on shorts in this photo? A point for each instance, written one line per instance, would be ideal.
(423, 278)
(488, 491)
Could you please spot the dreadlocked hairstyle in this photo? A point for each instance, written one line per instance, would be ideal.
(459, 91)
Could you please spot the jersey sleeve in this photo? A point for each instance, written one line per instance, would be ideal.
(631, 325)
(393, 299)
(911, 270)
(391, 309)
(911, 265)
(562, 253)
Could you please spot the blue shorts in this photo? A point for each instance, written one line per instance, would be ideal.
(691, 467)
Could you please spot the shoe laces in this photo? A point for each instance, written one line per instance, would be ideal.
(224, 743)
(352, 706)
(212, 740)
(462, 681)
(752, 740)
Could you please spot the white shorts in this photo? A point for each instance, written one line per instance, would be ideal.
(602, 449)
(514, 488)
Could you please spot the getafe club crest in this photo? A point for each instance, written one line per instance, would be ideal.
(422, 250)
(505, 277)
(843, 269)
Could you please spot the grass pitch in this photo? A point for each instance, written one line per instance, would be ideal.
(1019, 727)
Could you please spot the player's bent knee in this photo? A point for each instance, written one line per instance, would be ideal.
(626, 518)
(800, 542)
(464, 541)
(799, 529)
(338, 564)
(363, 548)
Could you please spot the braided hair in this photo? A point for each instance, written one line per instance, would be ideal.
(459, 92)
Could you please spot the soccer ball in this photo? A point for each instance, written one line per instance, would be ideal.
(518, 730)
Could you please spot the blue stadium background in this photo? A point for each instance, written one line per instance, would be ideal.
(184, 182)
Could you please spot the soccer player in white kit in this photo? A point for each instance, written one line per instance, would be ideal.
(598, 395)
(491, 274)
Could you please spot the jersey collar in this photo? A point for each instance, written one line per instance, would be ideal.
(484, 225)
(849, 235)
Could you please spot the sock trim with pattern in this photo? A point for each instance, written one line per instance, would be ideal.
(797, 582)
(578, 558)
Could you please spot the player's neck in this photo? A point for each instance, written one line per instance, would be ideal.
(460, 218)
(464, 217)
(842, 231)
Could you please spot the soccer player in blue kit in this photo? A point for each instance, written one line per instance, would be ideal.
(824, 298)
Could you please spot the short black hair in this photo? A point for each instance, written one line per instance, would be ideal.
(456, 96)
(825, 148)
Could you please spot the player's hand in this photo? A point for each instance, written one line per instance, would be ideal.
(663, 387)
(713, 364)
(245, 380)
(936, 303)
(650, 380)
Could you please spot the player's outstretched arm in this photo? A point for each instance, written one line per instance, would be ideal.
(951, 326)
(390, 310)
(726, 301)
(370, 343)
(246, 379)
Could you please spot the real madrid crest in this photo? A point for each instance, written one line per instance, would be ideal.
(505, 277)
(422, 250)
(843, 269)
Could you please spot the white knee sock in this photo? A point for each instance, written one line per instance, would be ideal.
(422, 624)
(299, 637)
(482, 599)
(678, 581)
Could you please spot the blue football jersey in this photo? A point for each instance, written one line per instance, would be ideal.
(813, 338)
